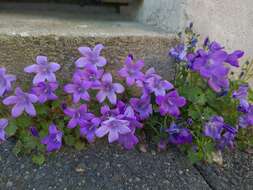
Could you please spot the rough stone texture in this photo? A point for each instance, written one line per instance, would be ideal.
(237, 172)
(26, 33)
(100, 167)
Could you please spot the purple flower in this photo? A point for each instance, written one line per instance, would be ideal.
(232, 58)
(23, 102)
(142, 106)
(78, 116)
(228, 137)
(170, 103)
(128, 141)
(131, 71)
(162, 145)
(89, 128)
(54, 139)
(3, 125)
(178, 135)
(246, 120)
(5, 81)
(179, 52)
(242, 94)
(109, 89)
(91, 75)
(114, 127)
(44, 70)
(79, 89)
(91, 57)
(143, 84)
(213, 128)
(45, 91)
(158, 86)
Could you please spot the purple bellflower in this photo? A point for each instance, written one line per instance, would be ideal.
(114, 127)
(242, 94)
(109, 89)
(89, 128)
(23, 102)
(91, 75)
(158, 86)
(131, 71)
(5, 81)
(54, 139)
(142, 106)
(232, 58)
(3, 125)
(45, 91)
(179, 52)
(44, 70)
(214, 127)
(91, 57)
(79, 89)
(178, 135)
(79, 116)
(246, 120)
(170, 103)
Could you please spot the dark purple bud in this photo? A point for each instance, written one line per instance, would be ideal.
(189, 121)
(206, 42)
(34, 132)
(63, 106)
(131, 56)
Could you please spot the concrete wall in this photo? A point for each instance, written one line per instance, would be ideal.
(227, 21)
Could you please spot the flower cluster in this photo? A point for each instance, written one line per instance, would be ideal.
(93, 105)
(210, 64)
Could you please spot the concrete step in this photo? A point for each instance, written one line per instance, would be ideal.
(57, 33)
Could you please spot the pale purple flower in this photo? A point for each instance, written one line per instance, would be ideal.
(131, 71)
(179, 135)
(44, 70)
(144, 84)
(5, 81)
(142, 106)
(23, 102)
(242, 94)
(91, 75)
(3, 125)
(232, 58)
(108, 89)
(45, 91)
(179, 52)
(213, 128)
(91, 57)
(89, 128)
(228, 137)
(170, 103)
(79, 89)
(158, 86)
(128, 141)
(246, 120)
(113, 127)
(54, 139)
(79, 116)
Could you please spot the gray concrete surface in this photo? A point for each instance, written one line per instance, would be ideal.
(100, 167)
(227, 21)
(26, 33)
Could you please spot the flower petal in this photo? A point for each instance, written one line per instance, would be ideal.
(113, 136)
(10, 100)
(17, 110)
(29, 108)
(101, 131)
(31, 68)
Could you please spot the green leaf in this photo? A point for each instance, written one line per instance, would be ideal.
(11, 128)
(38, 159)
(23, 121)
(69, 140)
